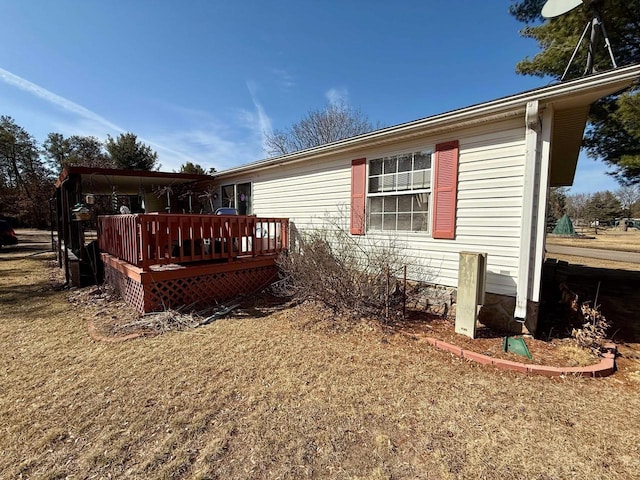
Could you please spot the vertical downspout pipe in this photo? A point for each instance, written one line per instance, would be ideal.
(532, 125)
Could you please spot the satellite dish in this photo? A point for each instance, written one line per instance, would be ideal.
(555, 8)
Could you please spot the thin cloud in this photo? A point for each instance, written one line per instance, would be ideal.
(210, 143)
(285, 79)
(38, 91)
(337, 96)
(89, 121)
(210, 148)
(259, 119)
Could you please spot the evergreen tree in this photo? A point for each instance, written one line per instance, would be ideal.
(603, 207)
(614, 133)
(75, 150)
(128, 153)
(191, 167)
(25, 184)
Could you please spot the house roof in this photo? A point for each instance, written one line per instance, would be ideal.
(570, 100)
(128, 182)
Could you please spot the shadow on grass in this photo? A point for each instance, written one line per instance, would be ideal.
(23, 297)
(16, 252)
(263, 304)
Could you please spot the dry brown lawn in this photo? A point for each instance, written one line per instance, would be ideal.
(605, 239)
(276, 396)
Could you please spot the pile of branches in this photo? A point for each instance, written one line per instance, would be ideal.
(592, 332)
(354, 276)
(157, 323)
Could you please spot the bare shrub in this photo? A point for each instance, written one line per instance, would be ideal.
(594, 326)
(355, 276)
(593, 332)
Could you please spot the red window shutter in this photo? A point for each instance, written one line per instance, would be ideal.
(358, 195)
(445, 190)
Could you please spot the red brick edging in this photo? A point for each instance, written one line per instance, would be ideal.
(605, 368)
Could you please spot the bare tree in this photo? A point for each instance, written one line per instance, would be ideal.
(575, 204)
(336, 121)
(628, 196)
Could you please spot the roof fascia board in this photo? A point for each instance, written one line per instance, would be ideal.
(115, 172)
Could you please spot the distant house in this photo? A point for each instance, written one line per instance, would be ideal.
(474, 179)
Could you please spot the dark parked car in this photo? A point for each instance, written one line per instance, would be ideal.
(7, 235)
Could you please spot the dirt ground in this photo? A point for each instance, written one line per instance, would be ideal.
(280, 393)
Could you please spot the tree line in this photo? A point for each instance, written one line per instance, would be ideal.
(599, 208)
(28, 170)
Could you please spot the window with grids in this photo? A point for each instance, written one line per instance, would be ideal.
(398, 192)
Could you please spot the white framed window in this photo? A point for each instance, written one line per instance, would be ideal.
(398, 191)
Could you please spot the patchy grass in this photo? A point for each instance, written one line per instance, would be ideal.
(279, 397)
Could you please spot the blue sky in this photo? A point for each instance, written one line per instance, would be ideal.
(203, 80)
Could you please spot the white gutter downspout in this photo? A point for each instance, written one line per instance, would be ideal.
(543, 196)
(532, 123)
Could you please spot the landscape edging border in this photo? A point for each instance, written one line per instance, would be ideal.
(606, 367)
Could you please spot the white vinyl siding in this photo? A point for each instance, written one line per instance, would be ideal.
(489, 206)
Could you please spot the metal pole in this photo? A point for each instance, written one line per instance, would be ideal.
(53, 245)
(404, 295)
(607, 43)
(386, 297)
(66, 230)
(592, 45)
(575, 50)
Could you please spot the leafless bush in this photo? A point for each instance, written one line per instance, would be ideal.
(593, 332)
(355, 276)
(594, 325)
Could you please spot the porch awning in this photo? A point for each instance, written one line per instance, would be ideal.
(101, 181)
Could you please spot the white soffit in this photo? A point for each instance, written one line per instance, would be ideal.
(566, 140)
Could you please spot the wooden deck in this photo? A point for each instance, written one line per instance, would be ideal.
(160, 261)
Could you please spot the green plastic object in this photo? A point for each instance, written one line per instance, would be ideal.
(517, 346)
(564, 227)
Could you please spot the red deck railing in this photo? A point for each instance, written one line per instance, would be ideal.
(160, 238)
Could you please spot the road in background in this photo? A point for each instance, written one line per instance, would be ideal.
(614, 255)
